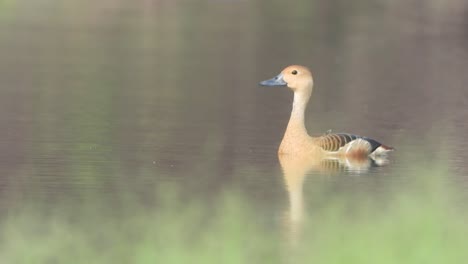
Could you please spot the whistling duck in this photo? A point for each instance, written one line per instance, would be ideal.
(296, 140)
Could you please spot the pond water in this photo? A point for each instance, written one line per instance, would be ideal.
(124, 96)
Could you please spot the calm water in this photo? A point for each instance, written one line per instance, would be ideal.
(114, 96)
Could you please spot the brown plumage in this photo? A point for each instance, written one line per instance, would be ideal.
(333, 142)
(296, 139)
(336, 141)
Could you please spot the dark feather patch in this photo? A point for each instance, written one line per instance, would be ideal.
(333, 142)
(374, 143)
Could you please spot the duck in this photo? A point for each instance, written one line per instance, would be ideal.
(296, 139)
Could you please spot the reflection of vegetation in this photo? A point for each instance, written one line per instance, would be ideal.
(415, 227)
(5, 6)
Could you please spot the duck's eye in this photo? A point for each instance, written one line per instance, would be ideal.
(294, 72)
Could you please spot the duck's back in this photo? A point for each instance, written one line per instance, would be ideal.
(350, 144)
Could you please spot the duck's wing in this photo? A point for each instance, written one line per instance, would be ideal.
(334, 142)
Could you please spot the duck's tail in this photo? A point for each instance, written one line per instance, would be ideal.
(363, 146)
(377, 148)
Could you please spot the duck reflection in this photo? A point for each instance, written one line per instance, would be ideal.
(296, 167)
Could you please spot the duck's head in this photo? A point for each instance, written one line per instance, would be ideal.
(296, 77)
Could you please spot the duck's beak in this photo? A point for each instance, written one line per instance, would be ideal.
(275, 81)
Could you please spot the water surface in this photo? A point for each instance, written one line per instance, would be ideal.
(117, 97)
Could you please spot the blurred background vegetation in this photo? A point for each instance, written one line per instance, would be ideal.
(134, 131)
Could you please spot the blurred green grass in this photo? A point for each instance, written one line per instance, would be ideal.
(419, 224)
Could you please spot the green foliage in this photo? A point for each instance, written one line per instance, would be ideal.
(423, 226)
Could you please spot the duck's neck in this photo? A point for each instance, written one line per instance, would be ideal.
(296, 134)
